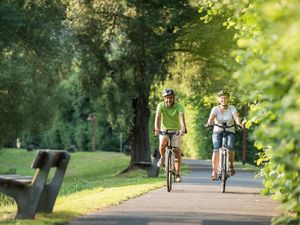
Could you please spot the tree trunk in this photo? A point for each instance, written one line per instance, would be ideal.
(140, 146)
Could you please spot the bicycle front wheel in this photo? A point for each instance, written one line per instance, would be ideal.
(223, 174)
(169, 171)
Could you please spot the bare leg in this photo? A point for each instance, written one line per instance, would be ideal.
(177, 160)
(215, 162)
(177, 164)
(231, 158)
(162, 148)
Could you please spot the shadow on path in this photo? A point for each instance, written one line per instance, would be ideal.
(197, 200)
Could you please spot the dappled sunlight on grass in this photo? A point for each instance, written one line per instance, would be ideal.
(95, 199)
(8, 212)
(61, 217)
(80, 203)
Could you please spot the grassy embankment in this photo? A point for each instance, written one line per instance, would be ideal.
(91, 183)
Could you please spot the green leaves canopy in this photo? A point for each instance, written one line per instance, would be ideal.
(30, 65)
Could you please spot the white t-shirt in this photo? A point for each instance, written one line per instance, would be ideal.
(225, 117)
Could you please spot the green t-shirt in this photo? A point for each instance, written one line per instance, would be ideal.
(170, 116)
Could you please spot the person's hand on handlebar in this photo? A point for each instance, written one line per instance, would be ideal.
(240, 126)
(208, 125)
(156, 132)
(182, 131)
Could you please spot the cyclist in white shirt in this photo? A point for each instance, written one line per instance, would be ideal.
(223, 113)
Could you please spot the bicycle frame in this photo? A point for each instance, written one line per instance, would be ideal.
(170, 159)
(223, 168)
(223, 156)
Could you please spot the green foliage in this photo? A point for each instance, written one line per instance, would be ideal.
(268, 37)
(115, 49)
(31, 49)
(112, 52)
(122, 47)
(70, 127)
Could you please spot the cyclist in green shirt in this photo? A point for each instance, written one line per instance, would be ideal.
(170, 116)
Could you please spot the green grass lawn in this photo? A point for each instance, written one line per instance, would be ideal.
(91, 183)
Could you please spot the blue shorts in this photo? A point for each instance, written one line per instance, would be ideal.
(217, 140)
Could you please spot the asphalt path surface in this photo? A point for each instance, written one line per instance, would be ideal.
(195, 201)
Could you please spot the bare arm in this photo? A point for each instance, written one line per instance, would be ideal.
(237, 119)
(211, 119)
(157, 123)
(182, 123)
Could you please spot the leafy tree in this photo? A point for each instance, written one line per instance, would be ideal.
(124, 46)
(30, 64)
(71, 128)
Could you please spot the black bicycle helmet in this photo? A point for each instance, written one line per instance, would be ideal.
(167, 92)
(224, 93)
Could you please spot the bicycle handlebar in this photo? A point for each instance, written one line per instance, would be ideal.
(167, 132)
(222, 126)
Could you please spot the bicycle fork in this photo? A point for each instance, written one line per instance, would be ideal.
(223, 162)
(169, 151)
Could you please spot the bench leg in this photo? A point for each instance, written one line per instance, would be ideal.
(26, 198)
(27, 203)
(51, 190)
(47, 200)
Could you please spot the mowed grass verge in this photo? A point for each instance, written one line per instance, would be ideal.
(91, 183)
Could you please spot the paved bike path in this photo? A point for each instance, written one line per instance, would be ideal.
(195, 201)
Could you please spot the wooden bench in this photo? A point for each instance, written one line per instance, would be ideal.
(37, 194)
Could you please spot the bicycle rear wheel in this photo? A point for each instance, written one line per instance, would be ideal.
(169, 171)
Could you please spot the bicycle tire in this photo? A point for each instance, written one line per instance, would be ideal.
(223, 174)
(169, 171)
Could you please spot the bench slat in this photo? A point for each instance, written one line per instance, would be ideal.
(15, 179)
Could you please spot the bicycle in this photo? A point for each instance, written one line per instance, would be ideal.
(223, 168)
(170, 159)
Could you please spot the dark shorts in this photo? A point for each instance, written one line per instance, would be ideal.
(217, 140)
